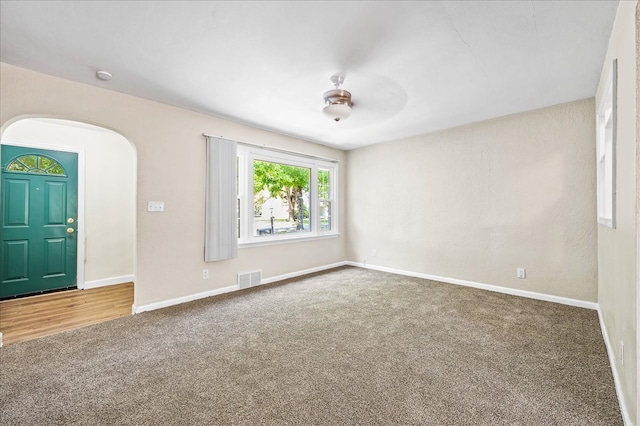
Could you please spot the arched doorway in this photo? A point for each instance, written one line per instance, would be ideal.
(106, 217)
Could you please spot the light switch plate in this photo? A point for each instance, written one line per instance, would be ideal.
(155, 206)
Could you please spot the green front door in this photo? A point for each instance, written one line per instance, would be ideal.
(39, 220)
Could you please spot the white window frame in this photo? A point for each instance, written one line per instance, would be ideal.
(246, 156)
(606, 151)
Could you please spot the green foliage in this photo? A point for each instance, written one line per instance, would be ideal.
(281, 180)
(323, 184)
(258, 202)
(276, 178)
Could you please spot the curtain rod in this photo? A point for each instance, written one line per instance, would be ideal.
(271, 148)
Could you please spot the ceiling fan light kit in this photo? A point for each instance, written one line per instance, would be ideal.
(337, 101)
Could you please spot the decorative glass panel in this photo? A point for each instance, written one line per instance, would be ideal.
(16, 166)
(45, 163)
(36, 164)
(31, 161)
(56, 170)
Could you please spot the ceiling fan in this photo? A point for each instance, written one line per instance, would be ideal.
(337, 101)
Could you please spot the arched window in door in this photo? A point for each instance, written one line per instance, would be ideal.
(39, 164)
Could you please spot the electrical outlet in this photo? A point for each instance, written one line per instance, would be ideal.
(521, 273)
(621, 352)
(205, 274)
(155, 206)
(374, 252)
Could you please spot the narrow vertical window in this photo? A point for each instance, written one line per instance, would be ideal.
(324, 199)
(238, 189)
(606, 151)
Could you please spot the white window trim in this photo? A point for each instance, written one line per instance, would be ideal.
(247, 154)
(606, 151)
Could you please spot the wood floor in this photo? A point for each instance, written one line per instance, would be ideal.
(38, 316)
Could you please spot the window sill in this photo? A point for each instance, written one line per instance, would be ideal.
(606, 222)
(286, 240)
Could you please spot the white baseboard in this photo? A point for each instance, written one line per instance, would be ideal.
(166, 303)
(489, 287)
(0, 339)
(303, 272)
(184, 299)
(108, 281)
(614, 369)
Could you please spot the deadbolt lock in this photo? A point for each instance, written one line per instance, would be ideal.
(70, 220)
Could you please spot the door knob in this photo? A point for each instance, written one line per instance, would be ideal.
(70, 230)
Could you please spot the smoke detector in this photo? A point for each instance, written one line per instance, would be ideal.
(103, 75)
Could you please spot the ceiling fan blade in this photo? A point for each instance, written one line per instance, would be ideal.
(368, 37)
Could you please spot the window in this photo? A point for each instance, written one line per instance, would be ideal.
(606, 151)
(284, 196)
(324, 198)
(38, 164)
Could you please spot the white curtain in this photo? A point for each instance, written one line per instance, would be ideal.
(221, 233)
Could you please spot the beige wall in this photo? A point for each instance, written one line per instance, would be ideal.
(171, 168)
(617, 248)
(109, 196)
(476, 202)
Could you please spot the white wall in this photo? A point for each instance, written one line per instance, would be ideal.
(171, 168)
(617, 248)
(109, 191)
(475, 202)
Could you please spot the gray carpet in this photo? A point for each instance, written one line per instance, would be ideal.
(349, 346)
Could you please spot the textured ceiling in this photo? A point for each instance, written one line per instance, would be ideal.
(412, 67)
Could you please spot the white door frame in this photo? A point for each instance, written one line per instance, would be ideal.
(80, 221)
